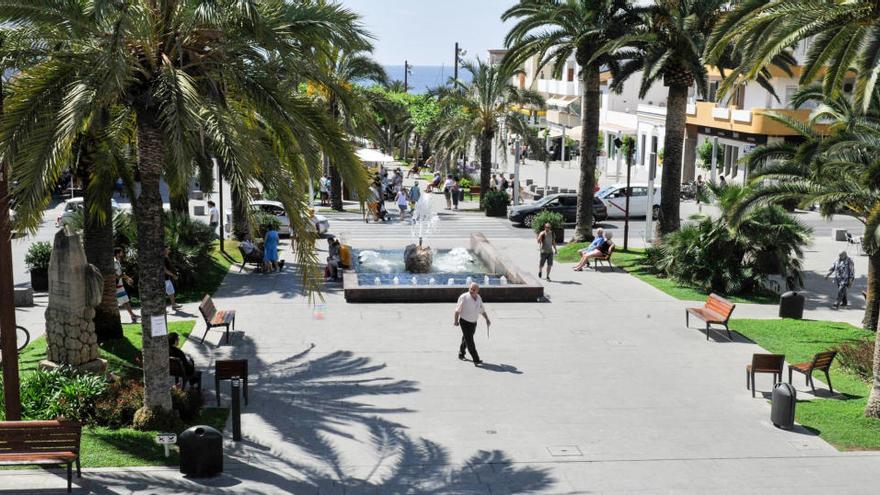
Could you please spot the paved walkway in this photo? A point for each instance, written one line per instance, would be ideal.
(599, 390)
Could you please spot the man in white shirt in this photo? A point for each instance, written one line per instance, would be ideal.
(213, 216)
(467, 311)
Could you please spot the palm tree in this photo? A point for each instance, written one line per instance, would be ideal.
(837, 172)
(347, 102)
(846, 36)
(481, 105)
(670, 47)
(188, 72)
(556, 30)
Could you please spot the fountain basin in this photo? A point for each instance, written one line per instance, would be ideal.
(359, 282)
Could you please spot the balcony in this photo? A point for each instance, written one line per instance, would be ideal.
(562, 88)
(754, 121)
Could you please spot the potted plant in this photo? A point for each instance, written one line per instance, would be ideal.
(37, 260)
(495, 203)
(556, 221)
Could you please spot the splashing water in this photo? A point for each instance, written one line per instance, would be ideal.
(423, 219)
(380, 263)
(458, 260)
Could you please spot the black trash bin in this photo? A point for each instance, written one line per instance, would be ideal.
(791, 305)
(201, 451)
(782, 411)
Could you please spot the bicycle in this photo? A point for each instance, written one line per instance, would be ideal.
(22, 337)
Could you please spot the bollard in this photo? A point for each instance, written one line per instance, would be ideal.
(236, 410)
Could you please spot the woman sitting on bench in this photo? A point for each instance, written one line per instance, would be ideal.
(596, 250)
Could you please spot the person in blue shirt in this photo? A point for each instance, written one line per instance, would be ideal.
(597, 243)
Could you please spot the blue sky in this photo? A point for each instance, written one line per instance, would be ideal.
(424, 32)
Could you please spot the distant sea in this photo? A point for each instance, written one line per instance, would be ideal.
(424, 77)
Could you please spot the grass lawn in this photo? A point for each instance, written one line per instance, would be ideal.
(105, 447)
(631, 261)
(839, 420)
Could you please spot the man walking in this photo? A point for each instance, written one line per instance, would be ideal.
(467, 311)
(844, 274)
(547, 243)
(213, 216)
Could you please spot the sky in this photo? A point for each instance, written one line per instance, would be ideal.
(424, 32)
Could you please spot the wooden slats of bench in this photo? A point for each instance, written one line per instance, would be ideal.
(223, 317)
(41, 442)
(37, 458)
(716, 310)
(214, 318)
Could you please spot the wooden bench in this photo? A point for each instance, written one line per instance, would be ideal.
(606, 258)
(821, 362)
(24, 443)
(214, 318)
(255, 258)
(231, 369)
(473, 191)
(716, 311)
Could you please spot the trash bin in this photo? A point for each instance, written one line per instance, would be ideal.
(782, 411)
(201, 451)
(791, 305)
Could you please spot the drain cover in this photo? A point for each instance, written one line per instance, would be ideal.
(565, 451)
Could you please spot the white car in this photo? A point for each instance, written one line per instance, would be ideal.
(614, 197)
(74, 205)
(322, 225)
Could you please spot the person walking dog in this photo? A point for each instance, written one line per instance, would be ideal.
(467, 312)
(844, 274)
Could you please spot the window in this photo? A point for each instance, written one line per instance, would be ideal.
(570, 74)
(739, 97)
(789, 95)
(640, 191)
(569, 200)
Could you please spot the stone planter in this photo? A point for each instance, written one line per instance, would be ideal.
(40, 279)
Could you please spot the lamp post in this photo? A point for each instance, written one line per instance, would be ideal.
(652, 170)
(406, 73)
(516, 148)
(459, 52)
(714, 159)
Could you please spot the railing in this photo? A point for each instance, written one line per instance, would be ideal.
(754, 121)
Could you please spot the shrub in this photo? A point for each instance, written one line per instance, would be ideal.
(187, 403)
(38, 256)
(465, 182)
(555, 220)
(61, 393)
(495, 203)
(265, 222)
(155, 419)
(858, 357)
(116, 408)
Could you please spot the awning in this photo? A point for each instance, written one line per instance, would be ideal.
(560, 101)
(373, 156)
(608, 126)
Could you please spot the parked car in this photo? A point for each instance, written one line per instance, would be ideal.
(565, 203)
(614, 198)
(321, 223)
(74, 205)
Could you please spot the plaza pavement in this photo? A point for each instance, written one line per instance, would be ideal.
(600, 389)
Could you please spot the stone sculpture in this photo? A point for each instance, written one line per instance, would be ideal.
(75, 288)
(418, 259)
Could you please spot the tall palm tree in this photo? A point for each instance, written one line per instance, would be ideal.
(556, 30)
(846, 36)
(185, 69)
(484, 103)
(346, 102)
(670, 46)
(837, 172)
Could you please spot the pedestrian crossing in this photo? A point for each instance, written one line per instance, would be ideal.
(450, 225)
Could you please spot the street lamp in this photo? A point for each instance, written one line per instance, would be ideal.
(459, 52)
(652, 171)
(406, 73)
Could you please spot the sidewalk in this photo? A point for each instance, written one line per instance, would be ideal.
(599, 390)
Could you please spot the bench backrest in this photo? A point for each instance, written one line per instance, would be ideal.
(773, 362)
(823, 360)
(720, 305)
(207, 308)
(39, 436)
(225, 369)
(610, 250)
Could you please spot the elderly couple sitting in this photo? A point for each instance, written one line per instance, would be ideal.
(597, 249)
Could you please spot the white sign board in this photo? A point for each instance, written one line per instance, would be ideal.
(157, 326)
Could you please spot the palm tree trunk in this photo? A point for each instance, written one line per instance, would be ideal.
(240, 225)
(873, 408)
(335, 189)
(98, 245)
(872, 301)
(151, 243)
(673, 143)
(485, 162)
(589, 148)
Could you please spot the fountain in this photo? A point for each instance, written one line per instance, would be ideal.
(392, 275)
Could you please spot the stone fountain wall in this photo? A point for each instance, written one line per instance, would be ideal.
(75, 289)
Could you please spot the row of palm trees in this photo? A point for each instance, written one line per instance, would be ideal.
(163, 89)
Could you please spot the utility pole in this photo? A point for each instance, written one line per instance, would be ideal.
(455, 71)
(222, 211)
(547, 164)
(516, 149)
(405, 76)
(11, 389)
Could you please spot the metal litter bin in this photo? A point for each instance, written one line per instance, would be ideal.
(201, 451)
(784, 401)
(791, 305)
